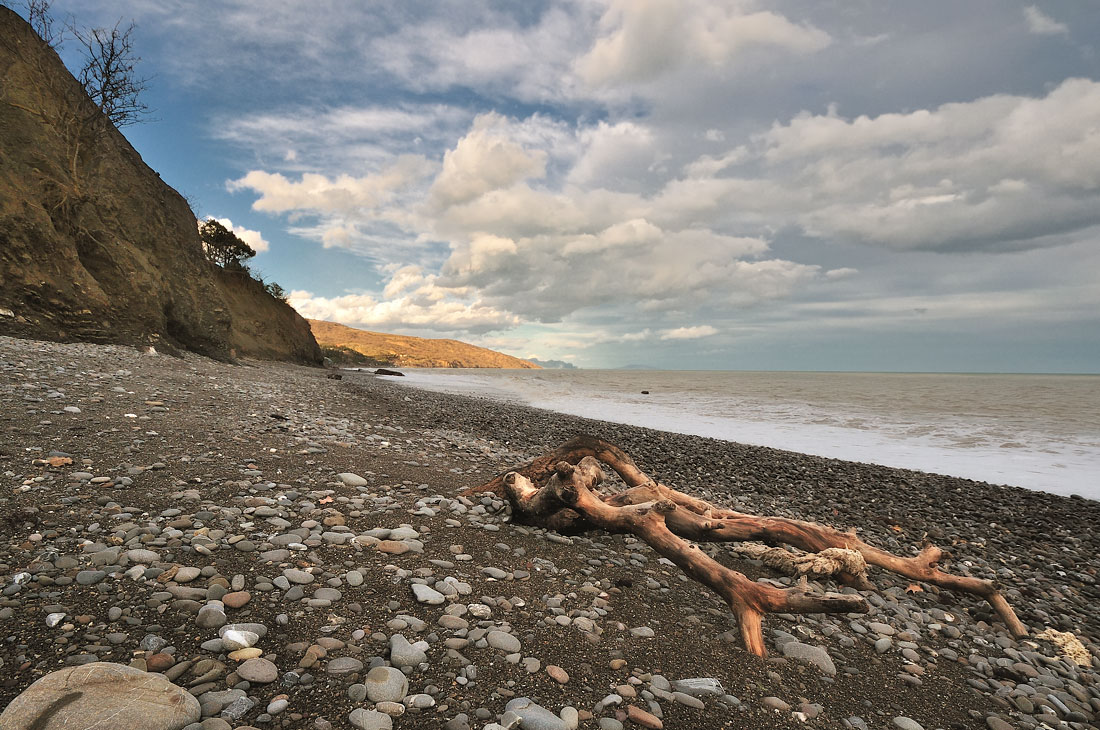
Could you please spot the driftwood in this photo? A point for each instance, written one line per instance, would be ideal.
(558, 491)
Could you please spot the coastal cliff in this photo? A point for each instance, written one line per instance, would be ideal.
(94, 246)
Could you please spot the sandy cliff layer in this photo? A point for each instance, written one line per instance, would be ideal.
(94, 245)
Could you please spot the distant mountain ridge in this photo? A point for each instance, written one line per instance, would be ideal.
(553, 364)
(342, 343)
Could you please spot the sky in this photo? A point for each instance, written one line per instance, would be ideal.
(802, 185)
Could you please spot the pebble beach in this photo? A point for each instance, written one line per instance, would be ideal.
(276, 548)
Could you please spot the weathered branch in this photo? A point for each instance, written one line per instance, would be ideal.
(701, 521)
(571, 486)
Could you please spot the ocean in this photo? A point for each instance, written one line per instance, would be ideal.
(1041, 432)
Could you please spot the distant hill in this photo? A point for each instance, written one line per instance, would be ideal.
(553, 364)
(349, 346)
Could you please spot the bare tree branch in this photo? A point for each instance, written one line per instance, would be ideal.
(41, 19)
(108, 74)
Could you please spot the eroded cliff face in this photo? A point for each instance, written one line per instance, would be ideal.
(94, 245)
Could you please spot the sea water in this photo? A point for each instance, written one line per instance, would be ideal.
(1036, 431)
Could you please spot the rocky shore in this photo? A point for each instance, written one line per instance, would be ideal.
(266, 547)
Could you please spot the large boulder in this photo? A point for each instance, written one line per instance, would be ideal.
(101, 694)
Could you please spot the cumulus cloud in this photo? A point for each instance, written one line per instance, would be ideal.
(561, 167)
(484, 160)
(643, 40)
(689, 333)
(1040, 23)
(421, 308)
(316, 193)
(1000, 172)
(253, 238)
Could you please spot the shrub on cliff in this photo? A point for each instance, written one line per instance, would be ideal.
(222, 246)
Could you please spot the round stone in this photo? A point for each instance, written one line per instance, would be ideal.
(259, 671)
(237, 639)
(386, 684)
(102, 694)
(558, 674)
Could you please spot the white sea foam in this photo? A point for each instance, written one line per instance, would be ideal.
(1036, 431)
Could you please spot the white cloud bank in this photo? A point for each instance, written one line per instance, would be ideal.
(524, 244)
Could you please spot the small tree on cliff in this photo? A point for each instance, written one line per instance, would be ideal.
(223, 247)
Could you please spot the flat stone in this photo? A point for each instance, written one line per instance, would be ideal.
(344, 665)
(386, 684)
(427, 594)
(688, 701)
(236, 599)
(404, 654)
(144, 557)
(775, 703)
(352, 479)
(101, 694)
(299, 577)
(907, 723)
(534, 716)
(646, 719)
(89, 577)
(699, 687)
(370, 720)
(186, 574)
(393, 547)
(503, 641)
(557, 674)
(259, 671)
(813, 654)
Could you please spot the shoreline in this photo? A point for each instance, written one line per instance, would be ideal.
(998, 447)
(219, 468)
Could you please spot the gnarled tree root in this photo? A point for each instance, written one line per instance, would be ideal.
(546, 493)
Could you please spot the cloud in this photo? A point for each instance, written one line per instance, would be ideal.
(1042, 24)
(253, 238)
(341, 138)
(485, 159)
(422, 308)
(316, 193)
(689, 333)
(997, 173)
(643, 40)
